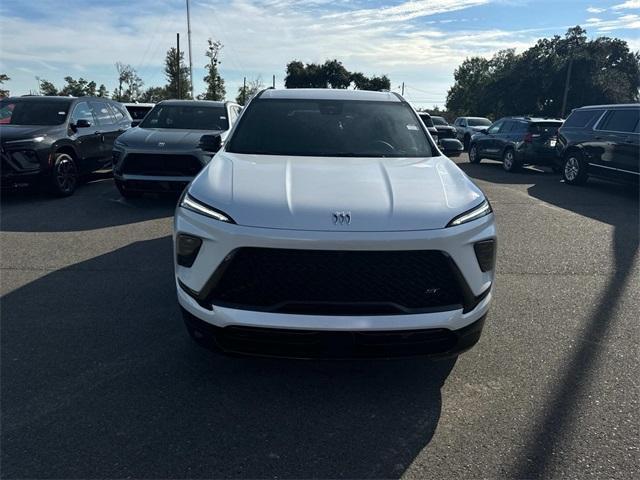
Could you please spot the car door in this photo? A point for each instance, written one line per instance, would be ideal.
(107, 130)
(502, 138)
(85, 139)
(486, 142)
(618, 135)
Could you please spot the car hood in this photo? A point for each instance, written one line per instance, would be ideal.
(302, 193)
(164, 138)
(477, 128)
(22, 132)
(444, 127)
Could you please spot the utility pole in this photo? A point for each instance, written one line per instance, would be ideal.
(244, 90)
(274, 81)
(178, 66)
(402, 89)
(566, 86)
(189, 42)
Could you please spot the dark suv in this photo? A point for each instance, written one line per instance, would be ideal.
(57, 139)
(601, 141)
(517, 141)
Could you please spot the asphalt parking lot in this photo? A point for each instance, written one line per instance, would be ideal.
(99, 378)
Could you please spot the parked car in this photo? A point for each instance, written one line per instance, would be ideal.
(138, 111)
(171, 145)
(601, 141)
(444, 129)
(517, 141)
(445, 139)
(466, 127)
(57, 139)
(330, 224)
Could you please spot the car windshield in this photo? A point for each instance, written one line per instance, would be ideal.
(188, 117)
(426, 119)
(330, 128)
(439, 121)
(138, 113)
(33, 112)
(478, 122)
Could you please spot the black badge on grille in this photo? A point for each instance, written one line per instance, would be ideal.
(341, 218)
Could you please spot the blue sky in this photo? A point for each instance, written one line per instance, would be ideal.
(413, 41)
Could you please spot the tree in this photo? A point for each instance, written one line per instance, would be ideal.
(246, 92)
(46, 87)
(215, 83)
(132, 83)
(331, 74)
(599, 71)
(177, 73)
(102, 91)
(4, 78)
(78, 88)
(154, 95)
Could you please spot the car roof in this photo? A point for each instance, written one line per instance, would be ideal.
(189, 103)
(31, 98)
(133, 104)
(328, 94)
(619, 105)
(535, 119)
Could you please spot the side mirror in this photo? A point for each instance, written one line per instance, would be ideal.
(451, 147)
(210, 143)
(484, 130)
(82, 123)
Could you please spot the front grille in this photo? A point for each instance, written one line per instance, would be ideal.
(161, 164)
(446, 134)
(336, 282)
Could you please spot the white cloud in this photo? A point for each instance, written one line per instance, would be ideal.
(629, 4)
(631, 21)
(596, 10)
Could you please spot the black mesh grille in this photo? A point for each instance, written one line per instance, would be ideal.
(332, 282)
(161, 164)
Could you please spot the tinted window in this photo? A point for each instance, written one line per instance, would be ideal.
(495, 128)
(479, 122)
(33, 112)
(519, 127)
(439, 121)
(332, 128)
(82, 111)
(194, 117)
(620, 120)
(137, 112)
(547, 128)
(581, 118)
(102, 113)
(426, 119)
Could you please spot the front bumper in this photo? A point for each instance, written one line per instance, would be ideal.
(21, 166)
(219, 239)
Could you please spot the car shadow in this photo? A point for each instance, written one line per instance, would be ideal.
(33, 210)
(99, 379)
(593, 200)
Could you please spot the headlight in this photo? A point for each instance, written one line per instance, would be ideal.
(480, 211)
(194, 205)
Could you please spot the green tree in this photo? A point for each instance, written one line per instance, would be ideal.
(215, 83)
(129, 83)
(154, 95)
(102, 91)
(246, 93)
(362, 82)
(4, 78)
(46, 87)
(78, 88)
(177, 73)
(331, 74)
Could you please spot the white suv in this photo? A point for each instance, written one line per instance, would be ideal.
(330, 224)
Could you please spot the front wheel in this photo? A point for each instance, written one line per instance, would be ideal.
(64, 176)
(574, 171)
(474, 154)
(467, 141)
(509, 162)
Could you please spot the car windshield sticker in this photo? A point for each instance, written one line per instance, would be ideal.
(223, 118)
(412, 127)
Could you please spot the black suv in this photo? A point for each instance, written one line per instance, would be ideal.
(601, 141)
(57, 139)
(517, 141)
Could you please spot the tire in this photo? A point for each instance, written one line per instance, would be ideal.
(574, 169)
(466, 142)
(474, 155)
(509, 162)
(64, 175)
(126, 193)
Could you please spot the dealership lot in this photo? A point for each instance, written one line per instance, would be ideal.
(99, 377)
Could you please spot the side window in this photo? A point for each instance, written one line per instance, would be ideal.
(495, 128)
(233, 115)
(82, 111)
(622, 120)
(117, 114)
(508, 126)
(102, 113)
(581, 118)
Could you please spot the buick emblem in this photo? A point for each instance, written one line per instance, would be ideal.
(341, 218)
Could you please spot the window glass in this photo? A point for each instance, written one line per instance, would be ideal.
(82, 111)
(479, 122)
(519, 127)
(33, 112)
(137, 112)
(581, 118)
(233, 115)
(195, 117)
(117, 114)
(330, 128)
(546, 128)
(102, 113)
(439, 121)
(426, 119)
(495, 128)
(623, 120)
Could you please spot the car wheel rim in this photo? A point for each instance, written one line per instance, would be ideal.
(508, 160)
(66, 174)
(571, 169)
(472, 154)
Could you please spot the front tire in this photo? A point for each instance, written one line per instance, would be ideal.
(64, 176)
(574, 170)
(509, 162)
(466, 142)
(474, 154)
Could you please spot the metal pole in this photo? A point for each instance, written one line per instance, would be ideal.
(274, 81)
(403, 89)
(178, 62)
(566, 87)
(244, 90)
(189, 38)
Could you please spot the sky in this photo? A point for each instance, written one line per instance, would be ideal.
(418, 42)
